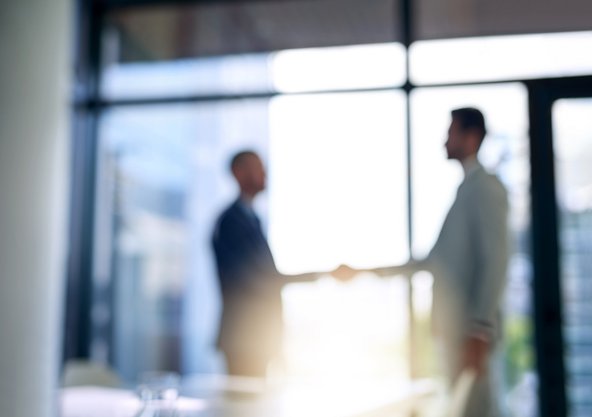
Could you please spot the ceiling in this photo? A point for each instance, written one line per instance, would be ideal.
(207, 28)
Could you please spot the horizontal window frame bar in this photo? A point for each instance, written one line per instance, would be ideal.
(102, 103)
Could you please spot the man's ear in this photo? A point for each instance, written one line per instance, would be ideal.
(475, 140)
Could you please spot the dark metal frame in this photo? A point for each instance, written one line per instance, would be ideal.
(85, 113)
(542, 93)
(406, 12)
(547, 299)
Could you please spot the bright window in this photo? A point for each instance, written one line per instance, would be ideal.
(499, 58)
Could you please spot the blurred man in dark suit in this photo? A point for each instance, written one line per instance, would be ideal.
(251, 326)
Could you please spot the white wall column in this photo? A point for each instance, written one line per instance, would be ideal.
(34, 106)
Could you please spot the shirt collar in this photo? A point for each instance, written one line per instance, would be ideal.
(245, 202)
(246, 206)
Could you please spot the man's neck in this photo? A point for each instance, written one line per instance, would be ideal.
(469, 164)
(247, 199)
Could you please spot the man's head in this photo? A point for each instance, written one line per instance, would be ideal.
(465, 134)
(247, 169)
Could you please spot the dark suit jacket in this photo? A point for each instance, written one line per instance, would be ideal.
(251, 322)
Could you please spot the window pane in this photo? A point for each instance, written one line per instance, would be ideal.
(163, 178)
(338, 195)
(501, 58)
(238, 74)
(338, 188)
(337, 332)
(505, 152)
(434, 184)
(573, 153)
(361, 66)
(317, 69)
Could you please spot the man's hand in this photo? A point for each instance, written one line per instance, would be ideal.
(344, 273)
(476, 352)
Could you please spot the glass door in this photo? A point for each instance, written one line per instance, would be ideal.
(572, 145)
(561, 152)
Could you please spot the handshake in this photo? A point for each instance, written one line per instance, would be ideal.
(344, 273)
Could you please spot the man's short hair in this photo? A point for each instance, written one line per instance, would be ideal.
(470, 118)
(240, 157)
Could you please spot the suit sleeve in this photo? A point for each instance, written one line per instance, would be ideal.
(491, 241)
(243, 262)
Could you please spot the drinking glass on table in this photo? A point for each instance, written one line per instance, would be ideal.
(158, 391)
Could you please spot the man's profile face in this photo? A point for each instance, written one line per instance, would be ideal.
(258, 174)
(252, 174)
(456, 142)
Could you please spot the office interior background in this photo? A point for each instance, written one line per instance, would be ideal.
(118, 120)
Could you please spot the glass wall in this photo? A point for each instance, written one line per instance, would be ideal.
(347, 184)
(163, 178)
(573, 152)
(338, 166)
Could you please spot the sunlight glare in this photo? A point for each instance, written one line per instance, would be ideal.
(336, 68)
